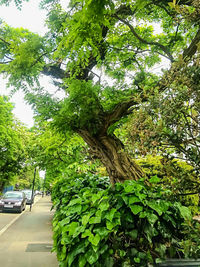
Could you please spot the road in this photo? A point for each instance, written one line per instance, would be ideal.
(26, 239)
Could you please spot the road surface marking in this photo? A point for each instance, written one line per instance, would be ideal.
(9, 224)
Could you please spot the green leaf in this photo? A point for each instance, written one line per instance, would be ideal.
(109, 262)
(110, 214)
(94, 220)
(94, 239)
(136, 259)
(122, 253)
(72, 227)
(110, 225)
(133, 199)
(86, 233)
(74, 202)
(155, 206)
(136, 209)
(102, 231)
(125, 199)
(95, 197)
(152, 218)
(161, 248)
(64, 221)
(75, 208)
(130, 188)
(98, 195)
(185, 212)
(76, 250)
(134, 251)
(104, 205)
(85, 219)
(133, 234)
(82, 261)
(91, 256)
(154, 179)
(141, 255)
(103, 249)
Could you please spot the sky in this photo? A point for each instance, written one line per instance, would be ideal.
(32, 18)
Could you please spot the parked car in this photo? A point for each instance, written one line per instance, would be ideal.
(13, 201)
(28, 193)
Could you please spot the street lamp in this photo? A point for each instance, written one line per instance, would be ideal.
(44, 185)
(32, 193)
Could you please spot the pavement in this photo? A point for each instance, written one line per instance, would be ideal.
(26, 241)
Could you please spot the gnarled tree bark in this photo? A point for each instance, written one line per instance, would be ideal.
(110, 150)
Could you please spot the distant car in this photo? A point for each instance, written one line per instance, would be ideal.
(13, 201)
(37, 192)
(29, 198)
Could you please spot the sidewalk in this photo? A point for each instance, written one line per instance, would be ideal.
(28, 242)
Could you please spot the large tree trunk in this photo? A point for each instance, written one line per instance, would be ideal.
(110, 151)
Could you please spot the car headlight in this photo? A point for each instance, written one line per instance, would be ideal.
(1, 202)
(18, 203)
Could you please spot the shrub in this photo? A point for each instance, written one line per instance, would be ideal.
(129, 225)
(177, 176)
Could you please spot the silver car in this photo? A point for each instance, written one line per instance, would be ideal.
(29, 197)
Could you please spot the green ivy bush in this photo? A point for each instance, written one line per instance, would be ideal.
(129, 225)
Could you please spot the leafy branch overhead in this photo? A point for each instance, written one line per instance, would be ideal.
(103, 55)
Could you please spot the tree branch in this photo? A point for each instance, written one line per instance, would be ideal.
(162, 47)
(4, 41)
(55, 71)
(118, 112)
(191, 50)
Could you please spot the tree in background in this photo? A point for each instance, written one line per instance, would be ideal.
(16, 162)
(102, 54)
(25, 178)
(12, 150)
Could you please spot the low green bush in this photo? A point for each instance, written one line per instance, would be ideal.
(129, 225)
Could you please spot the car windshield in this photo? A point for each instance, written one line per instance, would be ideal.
(15, 195)
(28, 193)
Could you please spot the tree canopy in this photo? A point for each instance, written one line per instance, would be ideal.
(12, 148)
(104, 55)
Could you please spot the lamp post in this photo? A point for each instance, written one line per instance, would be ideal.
(44, 185)
(33, 188)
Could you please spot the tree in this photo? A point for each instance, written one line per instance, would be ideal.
(102, 54)
(12, 151)
(24, 179)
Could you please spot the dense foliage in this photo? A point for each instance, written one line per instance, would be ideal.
(106, 56)
(24, 180)
(12, 144)
(131, 225)
(103, 56)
